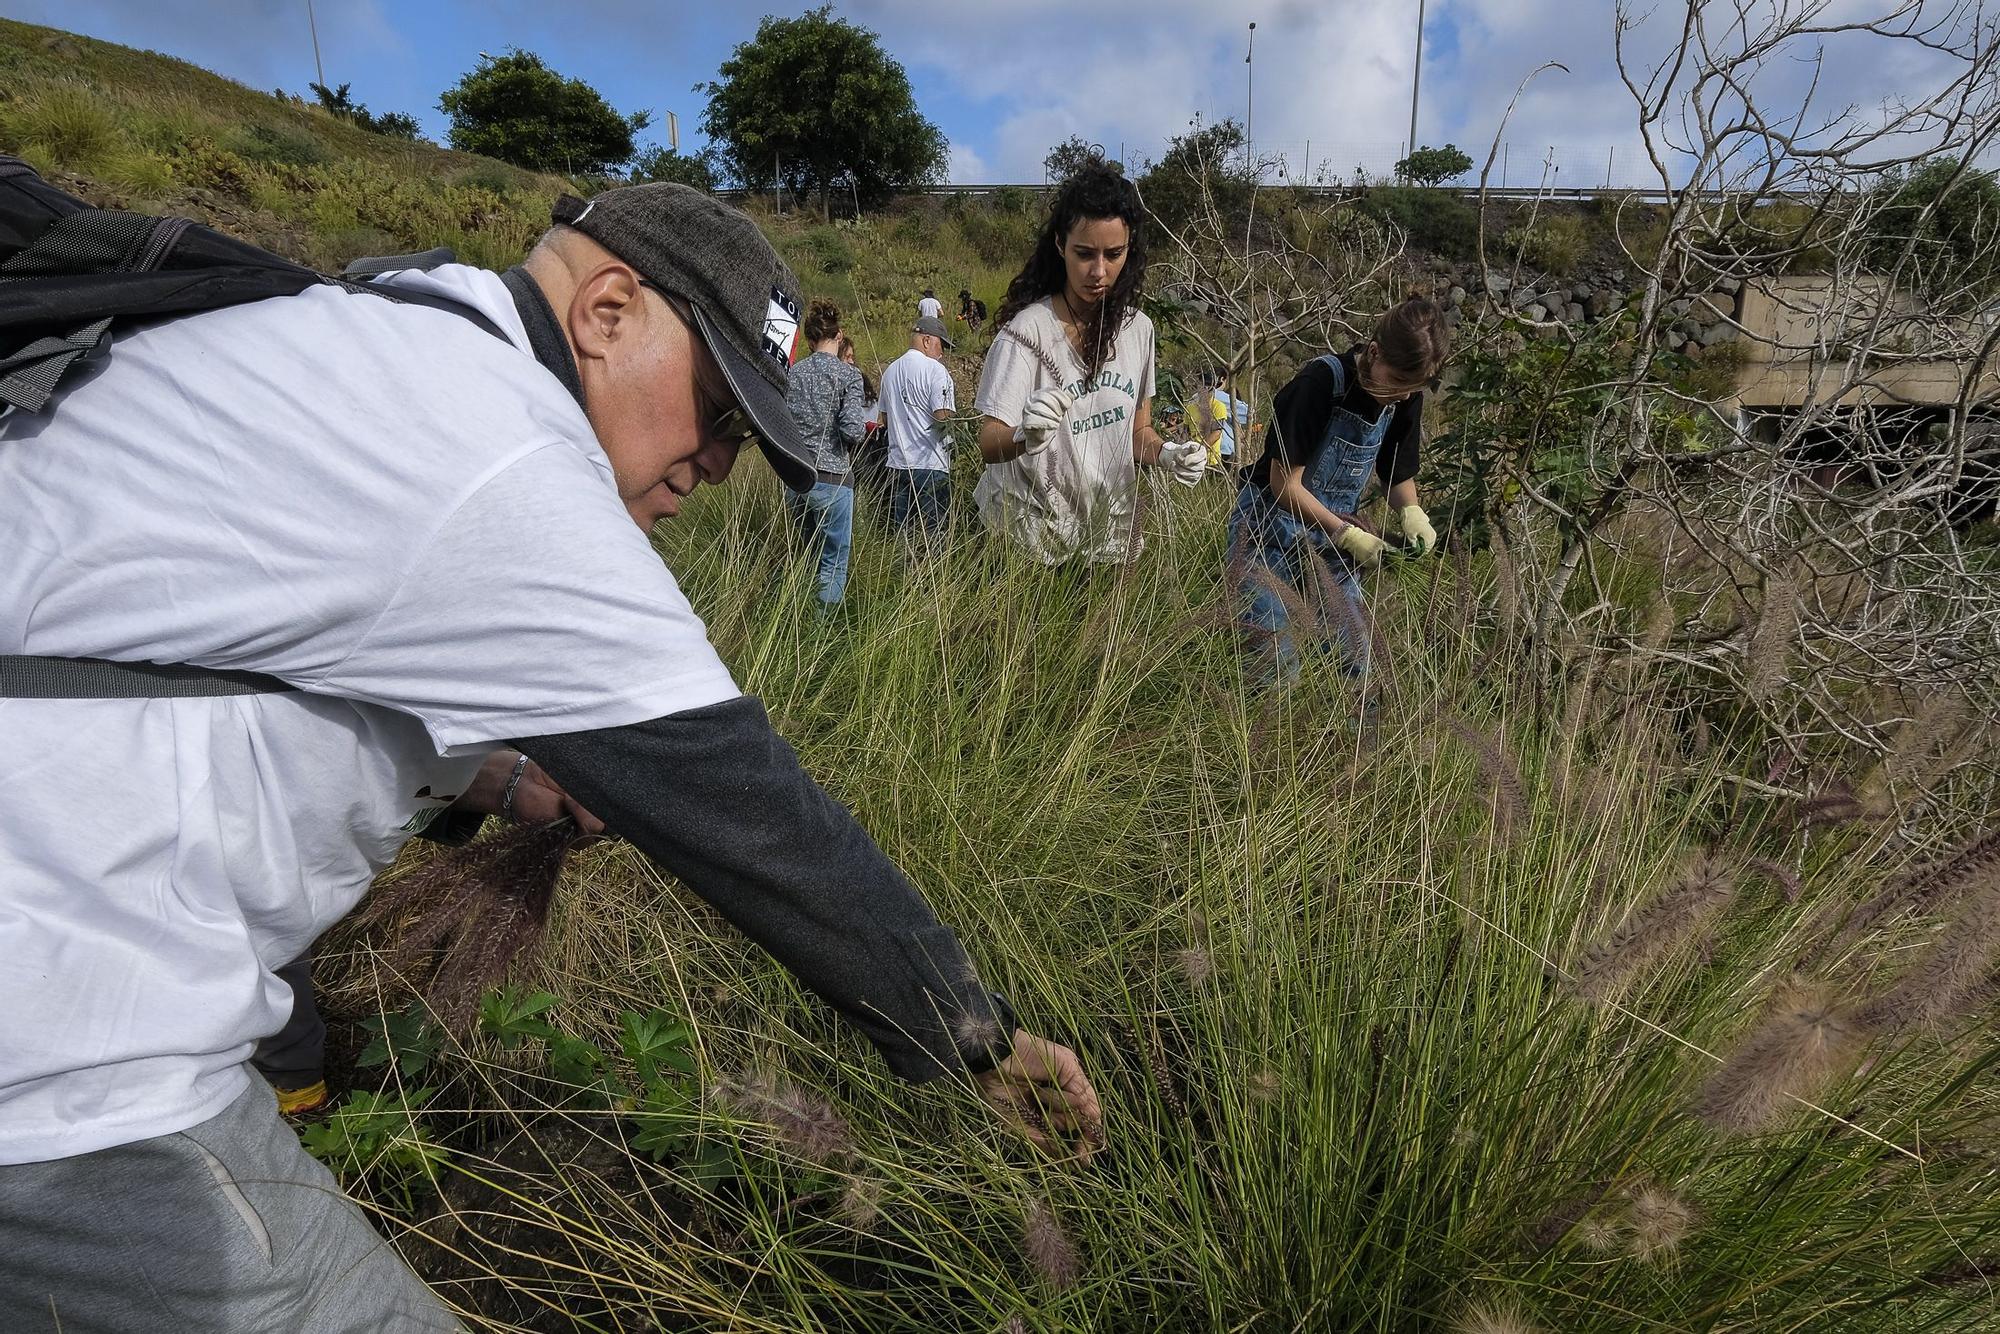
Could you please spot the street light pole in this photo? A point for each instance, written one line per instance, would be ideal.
(1416, 75)
(313, 24)
(1250, 99)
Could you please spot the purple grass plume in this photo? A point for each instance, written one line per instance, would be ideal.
(476, 912)
(1680, 917)
(1049, 1248)
(1948, 978)
(1922, 888)
(1506, 797)
(1801, 1046)
(801, 1121)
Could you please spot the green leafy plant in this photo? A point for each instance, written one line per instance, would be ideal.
(1434, 166)
(379, 1135)
(514, 1016)
(407, 1039)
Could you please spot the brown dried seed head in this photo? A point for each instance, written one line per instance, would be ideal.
(1657, 1222)
(1803, 1043)
(1494, 1315)
(1194, 964)
(1679, 917)
(1048, 1247)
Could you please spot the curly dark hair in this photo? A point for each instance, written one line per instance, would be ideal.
(1094, 193)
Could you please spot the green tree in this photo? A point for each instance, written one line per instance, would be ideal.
(1945, 218)
(517, 109)
(666, 164)
(1434, 166)
(338, 102)
(1072, 155)
(816, 103)
(1204, 167)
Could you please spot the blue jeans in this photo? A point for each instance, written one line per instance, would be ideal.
(1274, 551)
(919, 496)
(825, 516)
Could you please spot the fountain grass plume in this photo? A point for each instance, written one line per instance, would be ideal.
(478, 911)
(1679, 917)
(1657, 1222)
(804, 1122)
(1048, 1247)
(1506, 797)
(1767, 652)
(1803, 1043)
(1946, 980)
(1920, 889)
(1494, 1315)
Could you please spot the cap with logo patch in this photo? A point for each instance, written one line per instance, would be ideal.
(746, 302)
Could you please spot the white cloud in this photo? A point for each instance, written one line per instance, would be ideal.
(967, 167)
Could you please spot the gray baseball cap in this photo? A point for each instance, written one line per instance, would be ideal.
(932, 325)
(746, 302)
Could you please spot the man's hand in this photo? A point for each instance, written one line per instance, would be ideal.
(1041, 1087)
(1361, 546)
(1416, 526)
(1042, 418)
(537, 799)
(1187, 460)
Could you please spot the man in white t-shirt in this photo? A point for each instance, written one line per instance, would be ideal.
(374, 543)
(918, 398)
(929, 307)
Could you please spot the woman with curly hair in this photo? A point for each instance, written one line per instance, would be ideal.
(1067, 390)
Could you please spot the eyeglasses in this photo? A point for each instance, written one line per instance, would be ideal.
(727, 422)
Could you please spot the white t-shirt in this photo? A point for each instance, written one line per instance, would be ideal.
(930, 308)
(914, 387)
(1075, 497)
(382, 504)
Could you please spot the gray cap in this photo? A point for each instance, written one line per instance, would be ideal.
(746, 302)
(932, 325)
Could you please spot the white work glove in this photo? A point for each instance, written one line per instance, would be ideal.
(1416, 526)
(1187, 460)
(1361, 546)
(1042, 418)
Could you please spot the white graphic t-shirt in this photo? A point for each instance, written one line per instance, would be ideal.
(384, 505)
(1075, 497)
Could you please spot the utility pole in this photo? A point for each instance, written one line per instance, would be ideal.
(1250, 100)
(313, 24)
(1416, 74)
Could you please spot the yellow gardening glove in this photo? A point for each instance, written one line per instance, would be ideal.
(1362, 547)
(1421, 538)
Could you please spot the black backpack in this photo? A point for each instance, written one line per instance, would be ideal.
(70, 274)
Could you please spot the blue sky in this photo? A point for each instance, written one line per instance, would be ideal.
(1007, 80)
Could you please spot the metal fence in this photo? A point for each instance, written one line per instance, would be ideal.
(1517, 165)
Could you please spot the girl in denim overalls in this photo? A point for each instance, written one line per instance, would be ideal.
(1293, 506)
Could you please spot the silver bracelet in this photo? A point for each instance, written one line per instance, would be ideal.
(513, 781)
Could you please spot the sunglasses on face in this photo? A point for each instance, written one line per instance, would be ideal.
(725, 421)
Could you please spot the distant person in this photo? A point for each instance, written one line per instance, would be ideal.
(918, 398)
(930, 308)
(868, 461)
(1339, 419)
(1067, 390)
(1201, 420)
(825, 398)
(1232, 422)
(971, 311)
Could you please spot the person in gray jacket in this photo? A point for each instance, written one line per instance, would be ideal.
(824, 394)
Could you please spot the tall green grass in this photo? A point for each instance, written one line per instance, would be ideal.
(1329, 979)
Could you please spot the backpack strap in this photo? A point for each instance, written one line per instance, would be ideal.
(374, 266)
(29, 676)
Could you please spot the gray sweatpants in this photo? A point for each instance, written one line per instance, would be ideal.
(228, 1227)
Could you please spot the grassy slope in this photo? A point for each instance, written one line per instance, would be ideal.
(1320, 983)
